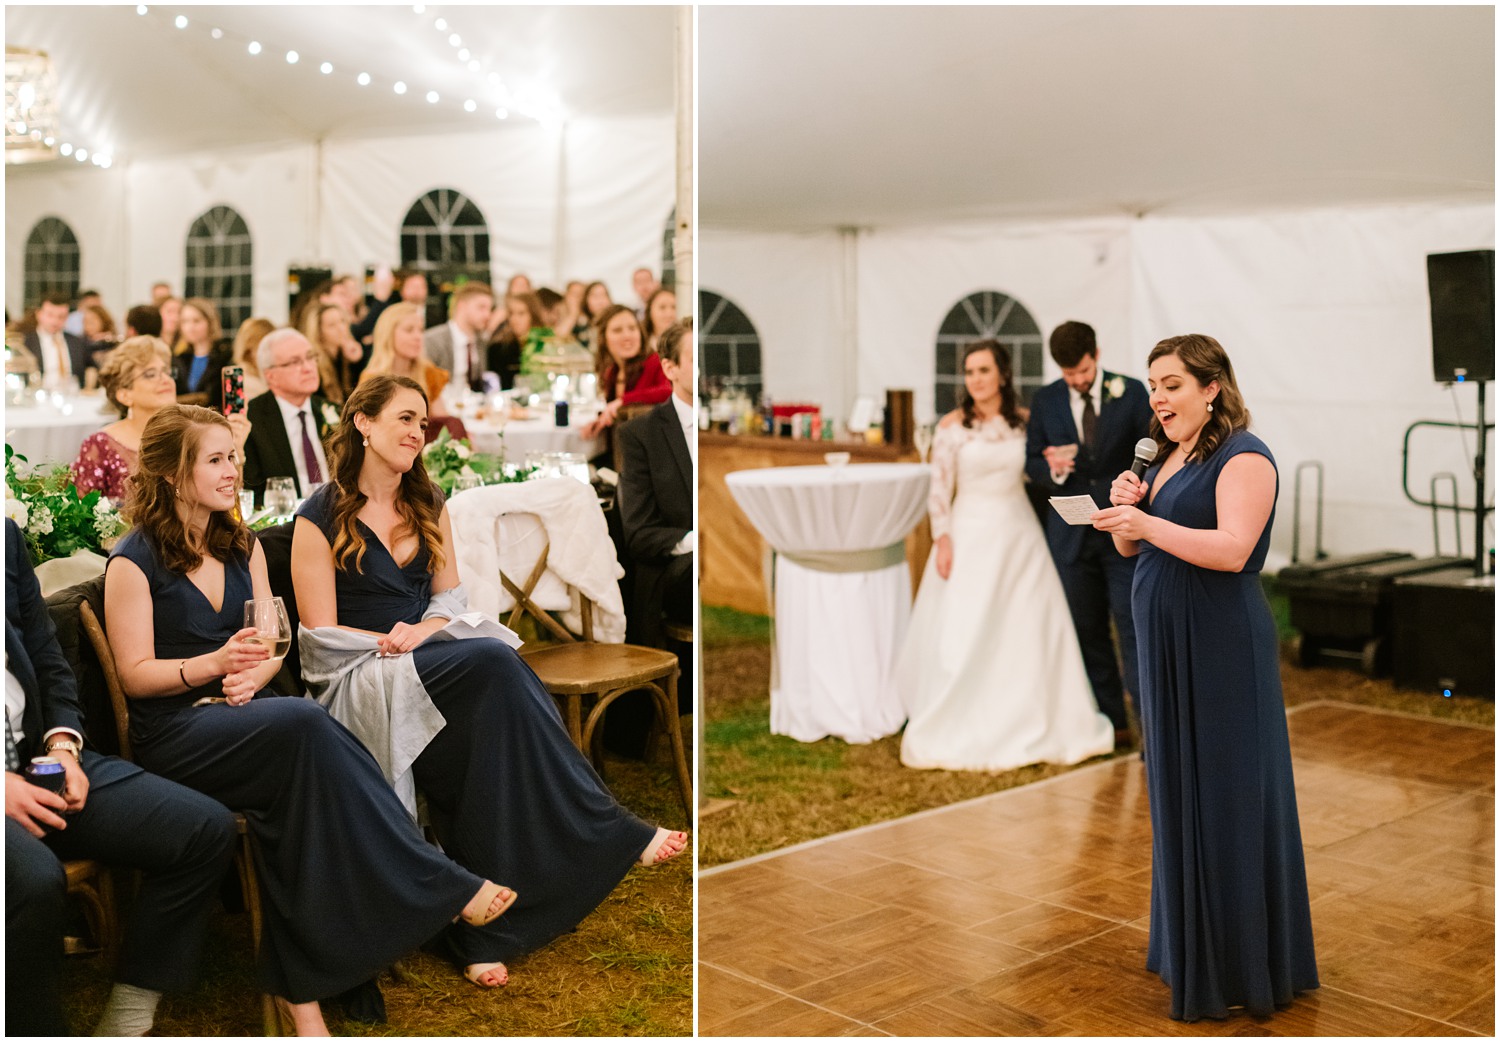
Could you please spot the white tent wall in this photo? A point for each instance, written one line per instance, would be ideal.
(587, 202)
(271, 188)
(791, 287)
(1324, 311)
(910, 278)
(92, 202)
(1326, 316)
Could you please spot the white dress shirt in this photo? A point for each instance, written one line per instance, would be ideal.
(1075, 401)
(461, 341)
(289, 414)
(56, 360)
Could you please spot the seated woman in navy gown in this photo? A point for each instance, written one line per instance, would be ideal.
(1230, 922)
(506, 789)
(350, 884)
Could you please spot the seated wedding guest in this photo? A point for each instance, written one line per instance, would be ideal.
(553, 311)
(595, 301)
(170, 310)
(86, 299)
(99, 327)
(398, 351)
(628, 373)
(656, 511)
(137, 379)
(506, 355)
(341, 358)
(160, 291)
(456, 345)
(412, 286)
(510, 794)
(246, 348)
(60, 354)
(202, 351)
(112, 811)
(143, 320)
(570, 320)
(350, 885)
(519, 283)
(643, 281)
(288, 424)
(661, 312)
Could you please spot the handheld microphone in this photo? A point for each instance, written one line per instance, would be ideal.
(1145, 452)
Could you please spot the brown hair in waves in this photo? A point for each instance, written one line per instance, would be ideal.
(169, 451)
(1206, 361)
(1007, 384)
(419, 502)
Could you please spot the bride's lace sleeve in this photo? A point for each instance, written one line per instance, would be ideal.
(945, 444)
(99, 466)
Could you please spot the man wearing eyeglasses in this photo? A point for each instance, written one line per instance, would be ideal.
(290, 421)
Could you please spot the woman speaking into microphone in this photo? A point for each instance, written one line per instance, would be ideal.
(1230, 924)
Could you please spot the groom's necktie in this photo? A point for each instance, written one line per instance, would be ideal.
(1090, 419)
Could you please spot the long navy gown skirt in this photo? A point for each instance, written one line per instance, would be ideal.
(1230, 924)
(349, 884)
(510, 796)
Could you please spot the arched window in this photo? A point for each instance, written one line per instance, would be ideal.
(444, 236)
(988, 313)
(219, 265)
(669, 252)
(728, 345)
(51, 261)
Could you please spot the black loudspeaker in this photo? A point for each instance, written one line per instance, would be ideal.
(1462, 288)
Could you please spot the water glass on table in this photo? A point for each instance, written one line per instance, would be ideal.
(267, 616)
(281, 496)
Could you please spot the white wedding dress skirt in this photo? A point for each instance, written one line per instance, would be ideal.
(991, 673)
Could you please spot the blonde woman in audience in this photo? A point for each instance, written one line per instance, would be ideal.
(137, 379)
(341, 358)
(252, 332)
(398, 350)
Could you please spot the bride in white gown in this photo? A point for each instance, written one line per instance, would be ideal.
(991, 671)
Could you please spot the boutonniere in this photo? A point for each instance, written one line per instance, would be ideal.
(330, 415)
(1114, 387)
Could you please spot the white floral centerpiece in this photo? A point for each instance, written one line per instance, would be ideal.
(54, 518)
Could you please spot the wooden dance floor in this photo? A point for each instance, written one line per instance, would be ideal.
(1024, 912)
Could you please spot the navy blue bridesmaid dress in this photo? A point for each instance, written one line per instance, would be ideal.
(509, 794)
(349, 884)
(1230, 924)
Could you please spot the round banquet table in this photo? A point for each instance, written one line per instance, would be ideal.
(521, 438)
(50, 431)
(841, 591)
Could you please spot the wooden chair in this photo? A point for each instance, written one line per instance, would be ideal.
(586, 676)
(244, 857)
(91, 883)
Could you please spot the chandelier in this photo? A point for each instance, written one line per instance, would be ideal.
(30, 106)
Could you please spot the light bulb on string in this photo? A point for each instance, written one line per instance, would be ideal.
(254, 47)
(400, 88)
(441, 25)
(326, 68)
(432, 97)
(292, 57)
(469, 105)
(363, 79)
(217, 34)
(180, 21)
(140, 8)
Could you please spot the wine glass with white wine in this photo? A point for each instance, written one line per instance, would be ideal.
(922, 436)
(267, 616)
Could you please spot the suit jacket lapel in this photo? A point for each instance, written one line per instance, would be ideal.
(677, 438)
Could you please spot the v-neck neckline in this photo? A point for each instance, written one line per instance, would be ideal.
(1157, 488)
(376, 536)
(224, 597)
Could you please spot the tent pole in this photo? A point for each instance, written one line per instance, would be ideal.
(848, 321)
(682, 235)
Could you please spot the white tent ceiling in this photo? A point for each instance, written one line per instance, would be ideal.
(140, 87)
(861, 116)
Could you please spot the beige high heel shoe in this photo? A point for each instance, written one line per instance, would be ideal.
(500, 900)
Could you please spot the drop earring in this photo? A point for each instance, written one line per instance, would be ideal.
(1210, 409)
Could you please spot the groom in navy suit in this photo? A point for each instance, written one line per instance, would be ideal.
(1101, 415)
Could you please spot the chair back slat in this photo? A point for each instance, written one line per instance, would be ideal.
(106, 657)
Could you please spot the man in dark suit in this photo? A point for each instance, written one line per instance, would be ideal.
(458, 345)
(289, 423)
(111, 811)
(656, 512)
(1100, 416)
(58, 353)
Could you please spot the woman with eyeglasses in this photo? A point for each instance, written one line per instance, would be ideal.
(137, 379)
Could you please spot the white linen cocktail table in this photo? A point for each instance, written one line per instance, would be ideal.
(840, 589)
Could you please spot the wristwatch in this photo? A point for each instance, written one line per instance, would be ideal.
(67, 745)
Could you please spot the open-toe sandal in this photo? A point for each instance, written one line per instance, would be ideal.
(501, 898)
(658, 851)
(478, 972)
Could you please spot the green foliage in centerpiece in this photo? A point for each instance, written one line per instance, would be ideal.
(448, 458)
(56, 520)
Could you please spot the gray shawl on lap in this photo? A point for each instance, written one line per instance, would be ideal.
(380, 699)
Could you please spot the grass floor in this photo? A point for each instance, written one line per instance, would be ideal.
(626, 970)
(787, 791)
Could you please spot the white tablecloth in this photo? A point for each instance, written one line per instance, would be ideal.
(51, 431)
(837, 631)
(523, 437)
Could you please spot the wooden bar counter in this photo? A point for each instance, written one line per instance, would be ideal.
(731, 552)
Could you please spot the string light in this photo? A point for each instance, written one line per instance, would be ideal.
(363, 79)
(291, 57)
(326, 68)
(432, 97)
(400, 87)
(254, 47)
(217, 34)
(181, 21)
